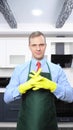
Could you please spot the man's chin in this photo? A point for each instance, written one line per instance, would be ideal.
(39, 58)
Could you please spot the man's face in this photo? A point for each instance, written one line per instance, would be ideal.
(37, 46)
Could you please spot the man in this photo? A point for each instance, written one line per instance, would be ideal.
(37, 88)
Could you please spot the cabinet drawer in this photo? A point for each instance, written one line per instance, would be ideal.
(9, 112)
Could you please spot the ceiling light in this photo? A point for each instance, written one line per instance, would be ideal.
(36, 12)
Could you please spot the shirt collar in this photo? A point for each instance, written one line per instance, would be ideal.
(42, 61)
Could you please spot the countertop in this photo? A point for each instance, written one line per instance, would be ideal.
(13, 124)
(2, 90)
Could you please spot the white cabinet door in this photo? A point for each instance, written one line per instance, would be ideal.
(2, 52)
(17, 51)
(13, 51)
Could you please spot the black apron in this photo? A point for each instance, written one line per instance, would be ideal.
(38, 110)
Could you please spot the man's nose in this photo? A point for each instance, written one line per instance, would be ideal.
(38, 47)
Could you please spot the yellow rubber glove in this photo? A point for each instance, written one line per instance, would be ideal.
(45, 84)
(30, 83)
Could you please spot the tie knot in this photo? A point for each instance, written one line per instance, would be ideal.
(38, 65)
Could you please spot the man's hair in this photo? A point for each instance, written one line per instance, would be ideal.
(36, 34)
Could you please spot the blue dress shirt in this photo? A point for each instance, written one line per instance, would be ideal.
(20, 75)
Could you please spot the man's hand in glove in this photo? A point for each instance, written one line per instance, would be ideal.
(30, 83)
(45, 84)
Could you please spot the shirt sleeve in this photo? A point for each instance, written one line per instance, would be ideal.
(11, 92)
(64, 90)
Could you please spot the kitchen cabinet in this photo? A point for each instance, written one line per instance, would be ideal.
(13, 51)
(9, 112)
(1, 107)
(2, 52)
(66, 49)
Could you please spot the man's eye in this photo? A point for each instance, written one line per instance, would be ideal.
(42, 45)
(34, 45)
